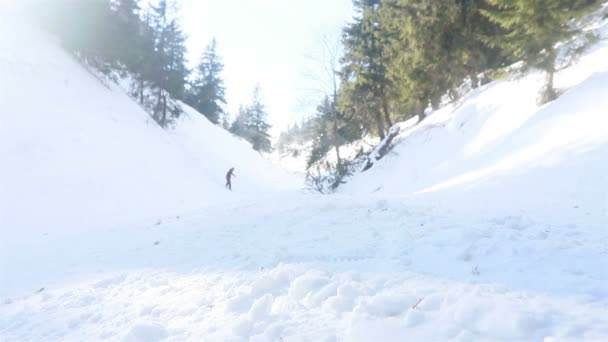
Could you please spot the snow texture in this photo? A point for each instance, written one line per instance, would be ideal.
(486, 222)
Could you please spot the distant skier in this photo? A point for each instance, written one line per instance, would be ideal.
(229, 176)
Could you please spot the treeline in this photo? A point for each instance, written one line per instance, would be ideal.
(145, 42)
(402, 57)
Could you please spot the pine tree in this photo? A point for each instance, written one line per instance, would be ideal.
(136, 43)
(94, 38)
(422, 48)
(257, 123)
(144, 68)
(207, 93)
(366, 86)
(431, 47)
(225, 121)
(239, 125)
(251, 123)
(113, 34)
(534, 27)
(323, 134)
(167, 69)
(475, 54)
(129, 40)
(175, 50)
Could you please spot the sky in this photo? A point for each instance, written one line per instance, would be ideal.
(276, 43)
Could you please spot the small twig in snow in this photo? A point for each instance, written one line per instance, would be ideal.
(418, 303)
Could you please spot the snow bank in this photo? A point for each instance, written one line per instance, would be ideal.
(496, 142)
(406, 308)
(78, 152)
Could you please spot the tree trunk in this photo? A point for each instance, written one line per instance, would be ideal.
(336, 141)
(474, 80)
(380, 124)
(335, 128)
(549, 93)
(339, 162)
(549, 80)
(453, 94)
(141, 90)
(387, 114)
(161, 108)
(420, 110)
(164, 104)
(435, 102)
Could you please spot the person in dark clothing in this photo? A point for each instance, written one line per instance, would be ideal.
(229, 176)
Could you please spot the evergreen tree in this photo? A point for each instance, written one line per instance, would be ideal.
(129, 37)
(432, 46)
(167, 66)
(366, 85)
(94, 37)
(413, 50)
(534, 27)
(113, 34)
(257, 123)
(239, 125)
(176, 70)
(324, 138)
(475, 54)
(251, 123)
(144, 67)
(207, 93)
(225, 121)
(329, 129)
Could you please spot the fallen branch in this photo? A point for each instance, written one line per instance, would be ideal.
(418, 303)
(382, 148)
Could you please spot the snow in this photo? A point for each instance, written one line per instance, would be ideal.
(100, 151)
(497, 141)
(217, 150)
(356, 276)
(146, 332)
(488, 221)
(78, 154)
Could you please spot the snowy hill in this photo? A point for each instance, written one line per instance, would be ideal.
(217, 150)
(487, 222)
(497, 143)
(82, 152)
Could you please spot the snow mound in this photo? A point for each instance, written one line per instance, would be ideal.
(406, 307)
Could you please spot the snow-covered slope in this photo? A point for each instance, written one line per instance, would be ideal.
(497, 143)
(486, 223)
(217, 150)
(77, 151)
